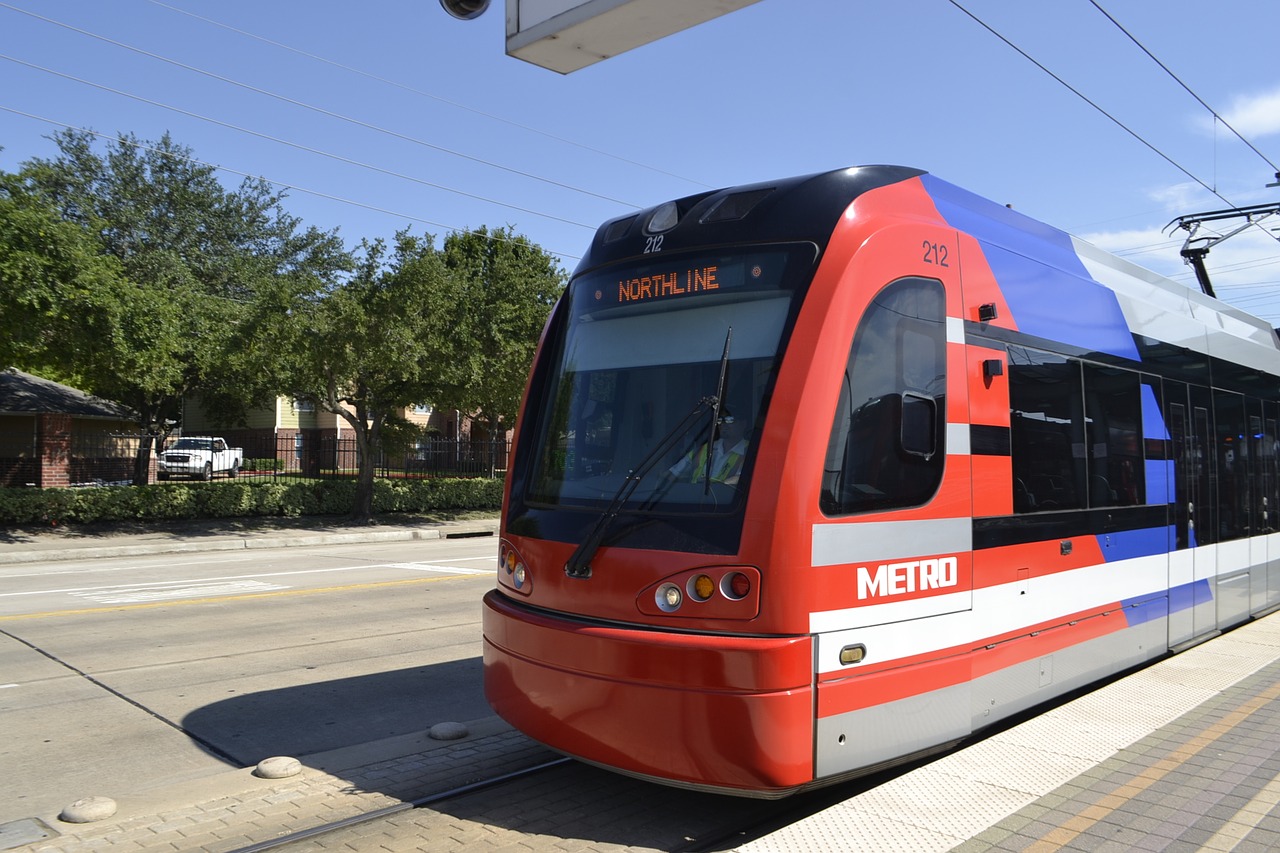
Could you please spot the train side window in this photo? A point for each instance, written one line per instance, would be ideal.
(886, 448)
(1046, 421)
(1232, 455)
(1113, 424)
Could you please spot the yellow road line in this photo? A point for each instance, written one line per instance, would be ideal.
(223, 598)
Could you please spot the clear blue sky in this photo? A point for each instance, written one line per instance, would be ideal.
(364, 108)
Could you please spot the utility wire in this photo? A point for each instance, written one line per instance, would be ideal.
(320, 110)
(1097, 107)
(1086, 99)
(425, 94)
(1091, 103)
(1214, 112)
(296, 145)
(279, 184)
(1199, 99)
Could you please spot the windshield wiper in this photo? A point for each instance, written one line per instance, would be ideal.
(715, 411)
(579, 564)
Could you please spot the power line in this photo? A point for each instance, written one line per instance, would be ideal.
(320, 110)
(425, 94)
(1087, 100)
(278, 184)
(296, 145)
(1201, 100)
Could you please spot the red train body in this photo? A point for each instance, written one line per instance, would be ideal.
(969, 482)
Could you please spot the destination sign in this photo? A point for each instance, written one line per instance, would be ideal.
(662, 285)
(658, 281)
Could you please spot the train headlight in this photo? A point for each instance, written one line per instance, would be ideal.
(705, 592)
(513, 572)
(663, 219)
(669, 598)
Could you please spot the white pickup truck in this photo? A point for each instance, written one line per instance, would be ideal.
(199, 456)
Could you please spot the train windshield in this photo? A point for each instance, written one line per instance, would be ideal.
(641, 358)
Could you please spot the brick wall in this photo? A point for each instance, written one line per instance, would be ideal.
(53, 446)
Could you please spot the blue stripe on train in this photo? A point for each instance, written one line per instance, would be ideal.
(1053, 296)
(1128, 544)
(1182, 597)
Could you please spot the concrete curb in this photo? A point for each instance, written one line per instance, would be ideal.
(235, 542)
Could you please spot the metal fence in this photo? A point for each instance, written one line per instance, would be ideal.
(326, 456)
(109, 458)
(86, 458)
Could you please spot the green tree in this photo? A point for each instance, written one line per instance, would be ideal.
(62, 300)
(368, 347)
(198, 260)
(506, 287)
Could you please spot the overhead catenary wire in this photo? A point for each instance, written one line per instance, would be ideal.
(320, 110)
(1188, 89)
(1038, 64)
(278, 184)
(296, 145)
(425, 94)
(1190, 92)
(1147, 143)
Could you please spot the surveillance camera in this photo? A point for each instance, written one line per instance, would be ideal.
(465, 9)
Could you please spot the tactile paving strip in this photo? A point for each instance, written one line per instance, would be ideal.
(949, 801)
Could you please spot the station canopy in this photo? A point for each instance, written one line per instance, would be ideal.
(565, 35)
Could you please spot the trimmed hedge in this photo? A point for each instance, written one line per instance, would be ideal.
(239, 498)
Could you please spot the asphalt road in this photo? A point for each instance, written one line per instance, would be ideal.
(146, 671)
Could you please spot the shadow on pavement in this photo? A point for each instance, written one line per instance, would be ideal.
(311, 718)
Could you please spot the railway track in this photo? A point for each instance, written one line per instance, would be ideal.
(555, 802)
(317, 833)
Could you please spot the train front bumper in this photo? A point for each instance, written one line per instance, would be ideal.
(725, 713)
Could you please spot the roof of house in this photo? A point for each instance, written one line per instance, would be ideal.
(24, 394)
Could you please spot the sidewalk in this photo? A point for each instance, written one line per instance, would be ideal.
(27, 545)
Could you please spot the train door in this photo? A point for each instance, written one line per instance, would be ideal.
(1193, 557)
(1203, 512)
(1269, 453)
(1234, 502)
(1260, 519)
(1181, 557)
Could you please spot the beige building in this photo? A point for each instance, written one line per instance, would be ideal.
(307, 439)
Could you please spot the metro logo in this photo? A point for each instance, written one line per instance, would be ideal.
(907, 577)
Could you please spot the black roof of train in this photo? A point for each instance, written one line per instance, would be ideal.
(804, 208)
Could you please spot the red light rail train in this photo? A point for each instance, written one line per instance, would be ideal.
(820, 474)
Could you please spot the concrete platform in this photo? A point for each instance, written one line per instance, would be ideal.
(1183, 755)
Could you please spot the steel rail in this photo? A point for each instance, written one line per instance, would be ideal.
(410, 805)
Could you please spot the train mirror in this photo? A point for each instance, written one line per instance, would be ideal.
(918, 418)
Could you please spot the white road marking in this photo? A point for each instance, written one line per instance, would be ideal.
(138, 595)
(430, 567)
